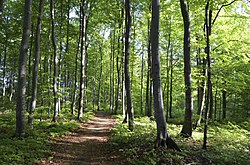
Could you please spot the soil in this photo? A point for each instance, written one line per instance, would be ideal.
(89, 145)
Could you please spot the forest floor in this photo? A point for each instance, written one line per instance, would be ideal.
(89, 145)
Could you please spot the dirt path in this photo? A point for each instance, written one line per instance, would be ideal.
(88, 146)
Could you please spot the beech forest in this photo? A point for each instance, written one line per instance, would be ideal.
(118, 82)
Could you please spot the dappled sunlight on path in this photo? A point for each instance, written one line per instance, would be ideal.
(87, 146)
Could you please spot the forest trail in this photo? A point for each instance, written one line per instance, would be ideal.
(89, 145)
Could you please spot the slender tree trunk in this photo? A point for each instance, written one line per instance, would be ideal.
(167, 81)
(113, 72)
(110, 76)
(20, 104)
(67, 71)
(142, 81)
(60, 58)
(171, 85)
(123, 66)
(5, 58)
(149, 75)
(208, 17)
(82, 66)
(50, 60)
(30, 59)
(100, 80)
(162, 133)
(126, 67)
(55, 76)
(94, 99)
(118, 66)
(202, 93)
(74, 97)
(36, 63)
(187, 126)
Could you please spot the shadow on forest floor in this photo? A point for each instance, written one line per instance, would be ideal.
(88, 145)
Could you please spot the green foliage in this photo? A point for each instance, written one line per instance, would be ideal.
(35, 146)
(228, 144)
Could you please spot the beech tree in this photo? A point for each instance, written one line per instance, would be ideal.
(36, 63)
(20, 104)
(82, 65)
(187, 126)
(55, 60)
(128, 21)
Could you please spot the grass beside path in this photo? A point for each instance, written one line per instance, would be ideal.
(228, 143)
(36, 145)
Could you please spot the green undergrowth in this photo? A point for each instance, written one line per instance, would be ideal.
(228, 143)
(35, 146)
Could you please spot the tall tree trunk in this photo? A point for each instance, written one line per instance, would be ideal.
(142, 80)
(74, 97)
(100, 80)
(30, 59)
(36, 63)
(168, 69)
(208, 17)
(111, 81)
(20, 104)
(55, 76)
(82, 66)
(118, 66)
(149, 75)
(60, 58)
(110, 75)
(126, 67)
(171, 84)
(187, 126)
(50, 61)
(5, 58)
(123, 95)
(113, 71)
(202, 92)
(162, 133)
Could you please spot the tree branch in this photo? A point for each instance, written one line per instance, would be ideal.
(221, 9)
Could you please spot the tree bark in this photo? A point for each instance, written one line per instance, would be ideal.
(142, 81)
(111, 75)
(126, 67)
(100, 81)
(36, 63)
(30, 59)
(187, 126)
(162, 133)
(171, 85)
(149, 75)
(118, 66)
(74, 97)
(208, 16)
(20, 104)
(5, 58)
(55, 76)
(82, 66)
(168, 69)
(202, 93)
